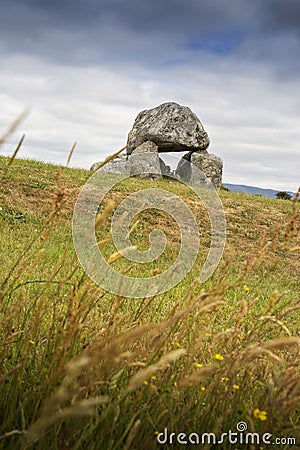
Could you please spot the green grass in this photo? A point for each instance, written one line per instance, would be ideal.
(84, 369)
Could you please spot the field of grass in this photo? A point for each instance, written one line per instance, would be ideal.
(81, 368)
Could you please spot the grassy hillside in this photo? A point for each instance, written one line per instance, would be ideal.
(82, 368)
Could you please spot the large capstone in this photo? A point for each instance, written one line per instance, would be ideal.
(171, 127)
(210, 165)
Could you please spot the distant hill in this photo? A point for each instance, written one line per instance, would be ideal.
(253, 190)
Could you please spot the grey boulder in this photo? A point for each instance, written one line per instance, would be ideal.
(146, 147)
(210, 165)
(119, 165)
(171, 127)
(144, 161)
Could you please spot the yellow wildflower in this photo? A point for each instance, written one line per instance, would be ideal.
(224, 379)
(202, 388)
(199, 366)
(31, 341)
(236, 386)
(145, 383)
(177, 344)
(245, 287)
(219, 357)
(207, 334)
(153, 377)
(261, 415)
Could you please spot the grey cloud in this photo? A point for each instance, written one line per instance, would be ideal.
(93, 31)
(157, 33)
(280, 16)
(138, 14)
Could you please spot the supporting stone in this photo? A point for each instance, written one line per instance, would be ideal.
(209, 164)
(144, 162)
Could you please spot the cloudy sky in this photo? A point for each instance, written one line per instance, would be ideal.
(86, 68)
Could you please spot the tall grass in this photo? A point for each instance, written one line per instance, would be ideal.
(83, 369)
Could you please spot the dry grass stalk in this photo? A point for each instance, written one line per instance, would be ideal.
(13, 433)
(282, 343)
(132, 434)
(110, 158)
(278, 322)
(11, 160)
(198, 376)
(109, 207)
(14, 126)
(120, 254)
(53, 409)
(71, 153)
(138, 379)
(79, 409)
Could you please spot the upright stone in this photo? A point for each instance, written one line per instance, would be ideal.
(209, 164)
(144, 161)
(171, 127)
